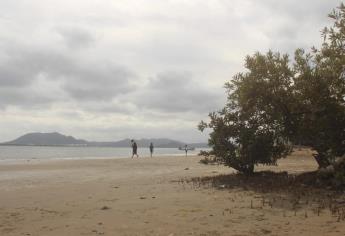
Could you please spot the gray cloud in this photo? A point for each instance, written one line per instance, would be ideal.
(99, 64)
(98, 82)
(293, 24)
(11, 75)
(114, 107)
(76, 37)
(17, 70)
(178, 92)
(79, 79)
(23, 98)
(294, 9)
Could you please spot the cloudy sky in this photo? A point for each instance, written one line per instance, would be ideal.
(107, 70)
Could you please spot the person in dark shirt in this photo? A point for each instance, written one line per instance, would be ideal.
(186, 149)
(134, 148)
(151, 149)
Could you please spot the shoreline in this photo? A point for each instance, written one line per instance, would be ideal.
(42, 153)
(21, 161)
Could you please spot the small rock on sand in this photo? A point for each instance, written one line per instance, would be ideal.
(105, 208)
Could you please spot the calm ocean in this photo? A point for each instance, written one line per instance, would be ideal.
(45, 152)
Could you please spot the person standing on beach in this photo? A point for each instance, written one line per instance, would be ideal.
(134, 148)
(151, 149)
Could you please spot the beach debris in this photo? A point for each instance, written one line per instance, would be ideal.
(221, 186)
(96, 231)
(186, 168)
(142, 198)
(227, 210)
(105, 208)
(115, 186)
(266, 231)
(153, 196)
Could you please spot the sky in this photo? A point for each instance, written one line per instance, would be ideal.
(108, 70)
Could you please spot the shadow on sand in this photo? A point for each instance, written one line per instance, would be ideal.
(290, 192)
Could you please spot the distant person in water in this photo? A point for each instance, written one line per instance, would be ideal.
(151, 149)
(134, 148)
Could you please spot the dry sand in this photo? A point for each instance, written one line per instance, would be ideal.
(155, 196)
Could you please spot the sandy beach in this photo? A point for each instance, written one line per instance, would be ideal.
(169, 196)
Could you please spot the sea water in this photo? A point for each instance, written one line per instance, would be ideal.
(48, 152)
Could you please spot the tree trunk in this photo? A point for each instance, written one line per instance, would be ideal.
(321, 160)
(246, 169)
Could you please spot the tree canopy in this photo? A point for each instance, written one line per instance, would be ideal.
(277, 102)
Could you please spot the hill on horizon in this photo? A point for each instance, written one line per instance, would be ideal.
(46, 139)
(57, 139)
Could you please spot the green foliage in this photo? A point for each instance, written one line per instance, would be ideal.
(248, 131)
(276, 100)
(319, 86)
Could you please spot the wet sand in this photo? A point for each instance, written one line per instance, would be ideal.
(160, 196)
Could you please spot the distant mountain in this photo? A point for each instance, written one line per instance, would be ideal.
(56, 139)
(47, 139)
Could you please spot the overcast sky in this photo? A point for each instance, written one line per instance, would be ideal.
(107, 70)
